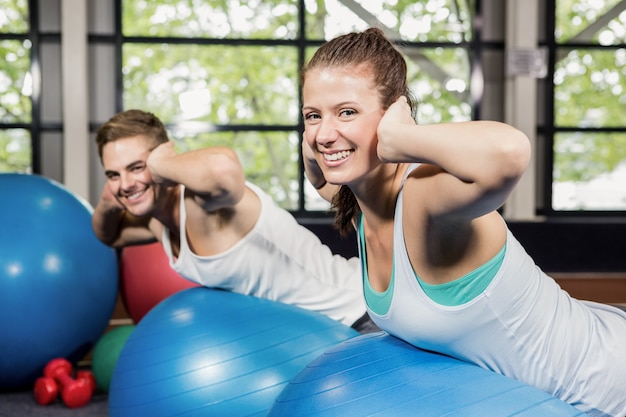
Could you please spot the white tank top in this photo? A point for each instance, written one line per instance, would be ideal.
(523, 326)
(280, 260)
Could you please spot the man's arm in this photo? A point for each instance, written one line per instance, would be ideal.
(213, 174)
(115, 227)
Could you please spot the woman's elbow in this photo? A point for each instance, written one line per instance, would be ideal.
(515, 154)
(508, 162)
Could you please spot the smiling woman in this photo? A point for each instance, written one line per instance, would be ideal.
(424, 200)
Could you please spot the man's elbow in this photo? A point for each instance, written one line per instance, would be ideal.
(228, 178)
(106, 239)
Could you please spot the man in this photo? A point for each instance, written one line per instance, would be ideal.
(216, 228)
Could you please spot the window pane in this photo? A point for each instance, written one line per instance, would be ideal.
(235, 85)
(211, 19)
(589, 171)
(14, 16)
(312, 199)
(417, 21)
(590, 88)
(15, 151)
(439, 77)
(584, 21)
(15, 82)
(269, 159)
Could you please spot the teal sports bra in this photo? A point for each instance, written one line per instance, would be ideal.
(453, 293)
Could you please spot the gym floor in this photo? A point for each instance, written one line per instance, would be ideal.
(22, 404)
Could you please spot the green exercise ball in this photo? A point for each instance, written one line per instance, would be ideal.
(106, 352)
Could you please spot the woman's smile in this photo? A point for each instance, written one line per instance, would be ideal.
(337, 156)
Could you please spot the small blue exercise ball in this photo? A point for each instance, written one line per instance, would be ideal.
(379, 375)
(208, 352)
(58, 282)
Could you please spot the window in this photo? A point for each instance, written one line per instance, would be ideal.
(16, 88)
(589, 102)
(227, 72)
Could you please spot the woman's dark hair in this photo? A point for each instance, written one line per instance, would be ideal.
(374, 53)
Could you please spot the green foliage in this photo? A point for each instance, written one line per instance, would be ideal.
(432, 21)
(15, 151)
(252, 86)
(315, 19)
(14, 16)
(590, 88)
(574, 16)
(581, 157)
(248, 85)
(15, 105)
(433, 85)
(245, 19)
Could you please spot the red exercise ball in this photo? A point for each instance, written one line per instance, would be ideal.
(146, 278)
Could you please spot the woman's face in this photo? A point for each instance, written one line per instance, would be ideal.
(341, 110)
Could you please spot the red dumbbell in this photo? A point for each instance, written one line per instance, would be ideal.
(58, 376)
(89, 376)
(46, 390)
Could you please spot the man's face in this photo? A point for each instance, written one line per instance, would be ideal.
(125, 166)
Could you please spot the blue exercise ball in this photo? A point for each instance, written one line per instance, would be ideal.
(379, 375)
(58, 282)
(207, 352)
